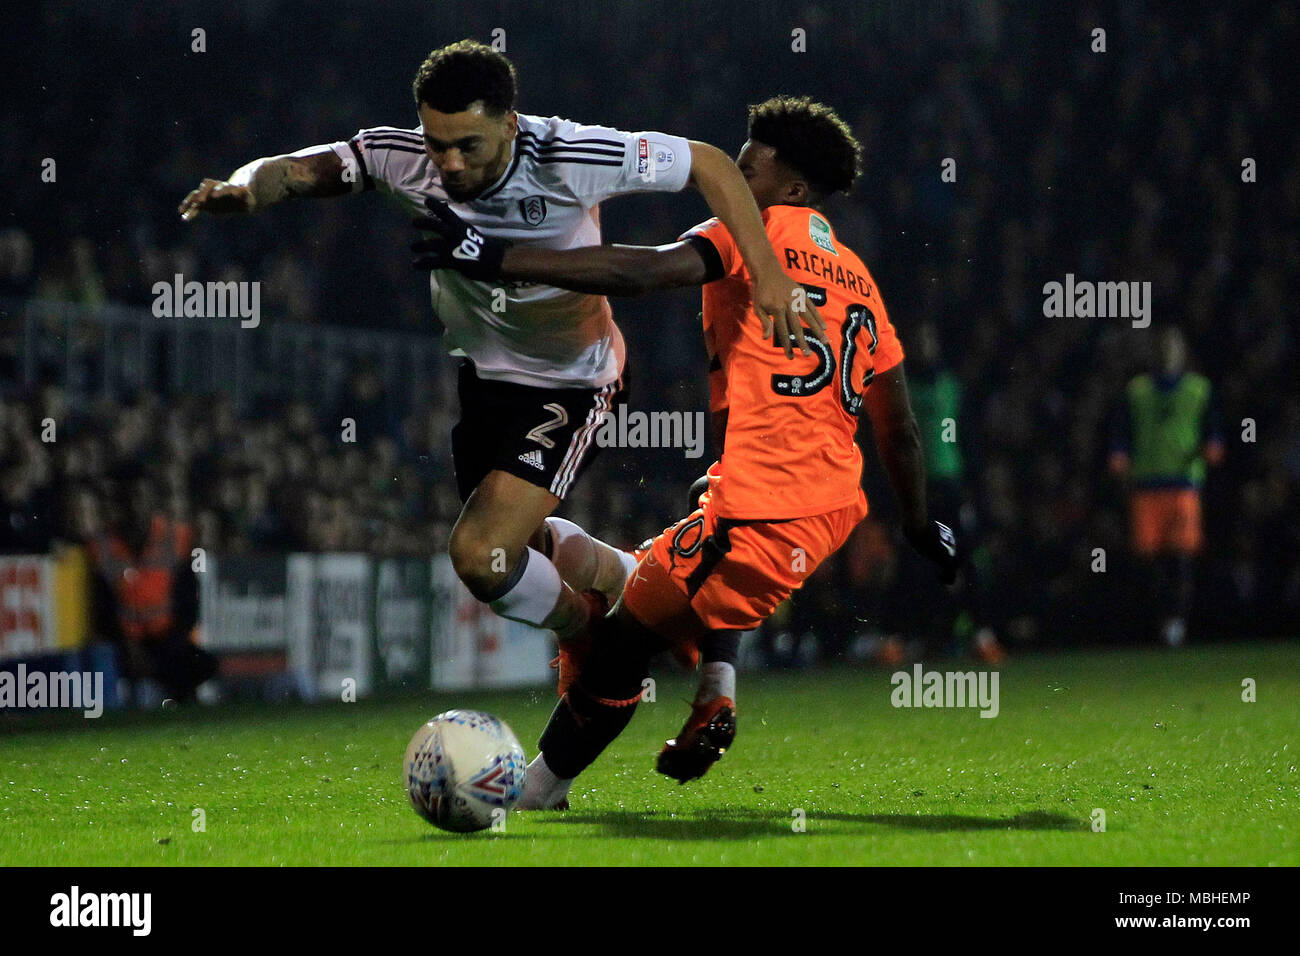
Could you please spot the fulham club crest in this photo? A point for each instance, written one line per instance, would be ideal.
(533, 209)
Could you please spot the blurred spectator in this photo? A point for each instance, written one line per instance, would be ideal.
(16, 262)
(145, 598)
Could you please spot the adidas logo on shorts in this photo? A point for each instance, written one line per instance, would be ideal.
(533, 458)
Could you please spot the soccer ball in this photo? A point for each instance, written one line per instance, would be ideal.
(464, 770)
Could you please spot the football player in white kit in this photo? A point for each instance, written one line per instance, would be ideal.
(534, 384)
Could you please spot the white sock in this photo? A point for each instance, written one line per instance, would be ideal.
(585, 562)
(542, 788)
(717, 679)
(538, 597)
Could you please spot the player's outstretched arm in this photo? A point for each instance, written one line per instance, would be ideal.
(898, 444)
(608, 270)
(309, 173)
(779, 301)
(451, 243)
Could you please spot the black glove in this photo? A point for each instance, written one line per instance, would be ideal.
(455, 244)
(698, 488)
(936, 542)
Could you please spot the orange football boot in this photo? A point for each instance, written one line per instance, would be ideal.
(707, 734)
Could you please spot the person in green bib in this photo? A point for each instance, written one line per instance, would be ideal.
(936, 395)
(1167, 435)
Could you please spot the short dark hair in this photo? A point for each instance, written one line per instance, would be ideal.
(810, 138)
(465, 72)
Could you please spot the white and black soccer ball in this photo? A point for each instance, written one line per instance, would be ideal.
(464, 770)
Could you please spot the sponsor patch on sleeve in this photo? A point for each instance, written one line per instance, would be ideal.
(644, 168)
(653, 157)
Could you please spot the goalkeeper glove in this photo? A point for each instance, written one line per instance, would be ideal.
(936, 542)
(455, 244)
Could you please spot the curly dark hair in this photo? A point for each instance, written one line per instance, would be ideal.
(465, 72)
(810, 138)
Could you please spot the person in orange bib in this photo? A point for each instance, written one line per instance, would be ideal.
(787, 490)
(145, 596)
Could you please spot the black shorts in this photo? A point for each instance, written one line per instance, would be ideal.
(546, 436)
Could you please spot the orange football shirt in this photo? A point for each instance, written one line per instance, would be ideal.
(789, 450)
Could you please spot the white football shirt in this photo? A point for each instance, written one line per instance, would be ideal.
(549, 194)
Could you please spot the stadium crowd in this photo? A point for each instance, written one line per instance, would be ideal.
(1123, 166)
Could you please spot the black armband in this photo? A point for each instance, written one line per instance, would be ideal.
(713, 267)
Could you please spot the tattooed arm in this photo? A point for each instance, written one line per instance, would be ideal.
(309, 173)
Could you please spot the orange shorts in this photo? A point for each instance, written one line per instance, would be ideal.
(1166, 519)
(706, 573)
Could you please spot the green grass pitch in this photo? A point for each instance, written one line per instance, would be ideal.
(1186, 772)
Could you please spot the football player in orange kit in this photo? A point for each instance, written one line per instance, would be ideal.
(787, 490)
